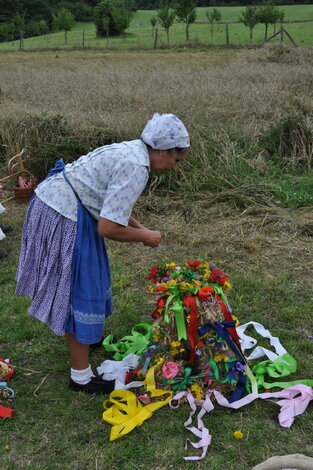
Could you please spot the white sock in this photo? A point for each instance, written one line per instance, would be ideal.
(82, 377)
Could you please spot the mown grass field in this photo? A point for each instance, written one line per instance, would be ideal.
(139, 34)
(242, 201)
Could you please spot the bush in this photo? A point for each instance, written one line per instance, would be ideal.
(289, 142)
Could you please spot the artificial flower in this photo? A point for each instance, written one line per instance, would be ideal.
(169, 370)
(218, 276)
(197, 391)
(205, 292)
(152, 276)
(175, 344)
(193, 264)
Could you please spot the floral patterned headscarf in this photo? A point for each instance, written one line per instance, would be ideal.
(164, 132)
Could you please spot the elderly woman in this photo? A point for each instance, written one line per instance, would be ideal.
(63, 266)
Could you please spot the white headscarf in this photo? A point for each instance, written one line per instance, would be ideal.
(164, 132)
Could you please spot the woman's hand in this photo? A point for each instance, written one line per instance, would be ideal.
(114, 231)
(153, 238)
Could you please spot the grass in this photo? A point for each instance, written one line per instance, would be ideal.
(240, 201)
(269, 261)
(139, 33)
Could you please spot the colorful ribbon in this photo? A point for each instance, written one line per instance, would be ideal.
(127, 412)
(137, 343)
(190, 301)
(294, 402)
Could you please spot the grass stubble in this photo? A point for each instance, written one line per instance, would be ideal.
(264, 246)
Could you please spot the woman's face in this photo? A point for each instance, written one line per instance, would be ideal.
(163, 160)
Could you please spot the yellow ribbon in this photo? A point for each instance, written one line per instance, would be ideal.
(127, 412)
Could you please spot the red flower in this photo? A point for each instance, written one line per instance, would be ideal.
(152, 276)
(193, 264)
(218, 276)
(204, 293)
(157, 313)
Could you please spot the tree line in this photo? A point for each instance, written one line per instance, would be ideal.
(27, 18)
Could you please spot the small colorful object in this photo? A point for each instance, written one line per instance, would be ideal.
(238, 435)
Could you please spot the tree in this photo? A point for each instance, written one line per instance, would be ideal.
(106, 23)
(121, 18)
(153, 22)
(214, 16)
(19, 21)
(166, 16)
(119, 12)
(268, 14)
(185, 11)
(64, 21)
(249, 17)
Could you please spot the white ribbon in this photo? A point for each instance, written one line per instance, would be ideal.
(117, 370)
(247, 342)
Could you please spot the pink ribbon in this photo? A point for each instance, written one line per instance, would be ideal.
(294, 402)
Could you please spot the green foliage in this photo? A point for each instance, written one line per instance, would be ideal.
(250, 17)
(268, 13)
(166, 18)
(119, 14)
(214, 16)
(185, 11)
(64, 20)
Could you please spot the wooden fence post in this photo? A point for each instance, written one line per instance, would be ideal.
(281, 33)
(155, 38)
(83, 38)
(227, 34)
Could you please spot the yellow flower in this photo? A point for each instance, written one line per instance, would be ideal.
(220, 357)
(228, 285)
(164, 285)
(204, 265)
(6, 447)
(150, 289)
(175, 344)
(207, 274)
(238, 435)
(172, 265)
(174, 351)
(172, 283)
(197, 391)
(198, 283)
(155, 338)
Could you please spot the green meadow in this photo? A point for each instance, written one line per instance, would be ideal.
(139, 34)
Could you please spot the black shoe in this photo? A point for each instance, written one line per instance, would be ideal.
(3, 254)
(6, 228)
(95, 385)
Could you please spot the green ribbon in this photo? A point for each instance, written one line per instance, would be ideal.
(169, 300)
(219, 291)
(280, 367)
(214, 368)
(183, 383)
(178, 309)
(137, 343)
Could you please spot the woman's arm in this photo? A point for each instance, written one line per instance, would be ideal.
(134, 223)
(114, 231)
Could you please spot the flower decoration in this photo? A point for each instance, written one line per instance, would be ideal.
(170, 370)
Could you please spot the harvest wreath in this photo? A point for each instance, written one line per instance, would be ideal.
(193, 351)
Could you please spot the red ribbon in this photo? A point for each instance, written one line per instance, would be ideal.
(158, 311)
(6, 412)
(190, 301)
